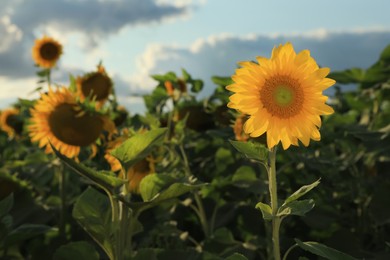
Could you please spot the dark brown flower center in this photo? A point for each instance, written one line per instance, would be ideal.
(282, 96)
(15, 123)
(97, 85)
(49, 51)
(74, 130)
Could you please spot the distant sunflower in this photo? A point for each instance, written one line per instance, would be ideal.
(57, 118)
(10, 122)
(46, 51)
(96, 85)
(282, 95)
(238, 128)
(134, 174)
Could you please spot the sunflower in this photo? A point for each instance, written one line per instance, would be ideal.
(56, 118)
(96, 85)
(135, 173)
(10, 122)
(282, 96)
(46, 51)
(239, 127)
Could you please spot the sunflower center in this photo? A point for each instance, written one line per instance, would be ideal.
(15, 123)
(72, 129)
(97, 85)
(282, 96)
(49, 51)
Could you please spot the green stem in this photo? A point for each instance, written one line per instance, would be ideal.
(201, 212)
(288, 251)
(62, 191)
(274, 203)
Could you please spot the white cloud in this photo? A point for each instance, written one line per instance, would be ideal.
(219, 54)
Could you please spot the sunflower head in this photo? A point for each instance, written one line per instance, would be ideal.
(282, 96)
(56, 118)
(10, 122)
(96, 85)
(46, 51)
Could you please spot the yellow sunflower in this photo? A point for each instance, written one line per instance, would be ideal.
(134, 174)
(96, 85)
(57, 118)
(46, 51)
(10, 122)
(282, 96)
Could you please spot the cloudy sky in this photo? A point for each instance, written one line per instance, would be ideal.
(137, 38)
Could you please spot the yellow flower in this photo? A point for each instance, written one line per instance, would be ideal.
(282, 95)
(46, 51)
(10, 123)
(96, 85)
(56, 118)
(238, 128)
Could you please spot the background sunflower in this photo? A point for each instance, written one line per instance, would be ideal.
(46, 52)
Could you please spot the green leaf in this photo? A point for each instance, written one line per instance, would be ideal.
(254, 151)
(224, 236)
(222, 81)
(93, 212)
(354, 75)
(324, 251)
(302, 191)
(385, 55)
(76, 250)
(265, 210)
(296, 207)
(236, 256)
(171, 76)
(24, 232)
(139, 146)
(175, 190)
(197, 85)
(6, 205)
(145, 253)
(102, 179)
(152, 184)
(186, 75)
(244, 173)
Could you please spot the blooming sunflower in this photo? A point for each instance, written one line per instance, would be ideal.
(10, 122)
(96, 85)
(56, 118)
(46, 51)
(282, 96)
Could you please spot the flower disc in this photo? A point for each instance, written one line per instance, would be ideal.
(282, 96)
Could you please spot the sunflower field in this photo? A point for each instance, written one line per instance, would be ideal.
(266, 167)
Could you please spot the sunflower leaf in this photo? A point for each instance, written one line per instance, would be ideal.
(296, 207)
(324, 251)
(265, 210)
(139, 146)
(102, 179)
(254, 151)
(302, 191)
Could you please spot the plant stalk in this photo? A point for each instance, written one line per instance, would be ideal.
(274, 203)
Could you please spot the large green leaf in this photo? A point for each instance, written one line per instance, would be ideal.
(302, 191)
(251, 150)
(24, 232)
(76, 250)
(324, 251)
(103, 179)
(93, 212)
(6, 205)
(139, 146)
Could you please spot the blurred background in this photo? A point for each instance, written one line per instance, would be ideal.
(137, 38)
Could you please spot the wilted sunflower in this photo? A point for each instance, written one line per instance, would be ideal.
(46, 51)
(96, 85)
(10, 122)
(57, 118)
(282, 95)
(134, 174)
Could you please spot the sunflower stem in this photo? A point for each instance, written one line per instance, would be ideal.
(62, 191)
(200, 209)
(274, 203)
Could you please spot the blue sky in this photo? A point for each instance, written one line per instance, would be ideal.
(136, 38)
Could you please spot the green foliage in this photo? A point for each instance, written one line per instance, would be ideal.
(251, 150)
(76, 250)
(322, 250)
